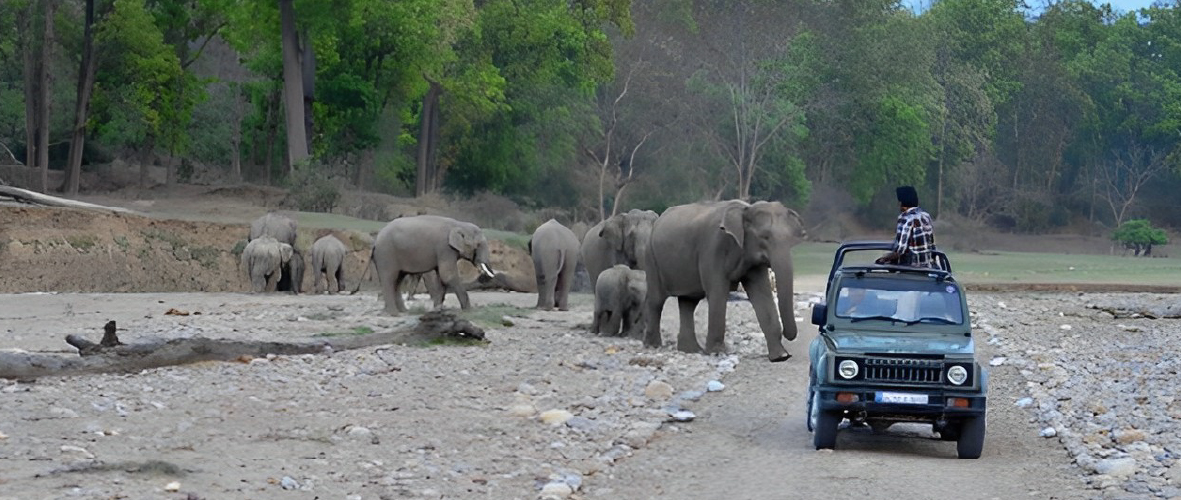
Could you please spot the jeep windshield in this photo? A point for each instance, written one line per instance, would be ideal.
(899, 301)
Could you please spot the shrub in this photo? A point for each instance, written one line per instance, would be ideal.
(1140, 236)
(311, 190)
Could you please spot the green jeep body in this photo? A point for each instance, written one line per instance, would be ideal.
(903, 337)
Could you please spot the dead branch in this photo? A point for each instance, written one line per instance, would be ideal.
(26, 196)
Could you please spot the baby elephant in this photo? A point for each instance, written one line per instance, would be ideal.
(328, 261)
(619, 302)
(263, 260)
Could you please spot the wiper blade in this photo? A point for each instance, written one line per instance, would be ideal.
(932, 319)
(859, 319)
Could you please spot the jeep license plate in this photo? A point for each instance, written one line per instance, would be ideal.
(902, 397)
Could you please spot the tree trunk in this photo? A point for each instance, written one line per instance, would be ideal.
(433, 137)
(297, 141)
(236, 137)
(424, 178)
(272, 125)
(43, 100)
(25, 32)
(145, 161)
(85, 87)
(308, 70)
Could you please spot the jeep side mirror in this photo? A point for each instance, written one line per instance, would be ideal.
(819, 313)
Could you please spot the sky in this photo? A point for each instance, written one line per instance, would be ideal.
(1119, 5)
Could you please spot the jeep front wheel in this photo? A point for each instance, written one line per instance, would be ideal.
(971, 439)
(824, 425)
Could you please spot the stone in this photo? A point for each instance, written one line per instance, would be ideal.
(997, 361)
(658, 390)
(1024, 402)
(288, 483)
(683, 416)
(1126, 436)
(714, 386)
(556, 417)
(1173, 474)
(1048, 432)
(172, 487)
(523, 410)
(359, 432)
(556, 489)
(1119, 468)
(60, 412)
(77, 451)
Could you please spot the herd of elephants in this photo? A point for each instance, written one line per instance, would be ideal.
(635, 260)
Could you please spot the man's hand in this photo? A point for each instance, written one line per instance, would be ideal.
(889, 258)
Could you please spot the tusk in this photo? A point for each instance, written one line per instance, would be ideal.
(487, 271)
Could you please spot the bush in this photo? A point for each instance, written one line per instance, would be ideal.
(311, 190)
(1140, 236)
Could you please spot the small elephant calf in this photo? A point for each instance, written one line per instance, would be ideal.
(619, 302)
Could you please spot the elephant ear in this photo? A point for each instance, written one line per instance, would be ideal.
(285, 252)
(732, 223)
(462, 241)
(612, 231)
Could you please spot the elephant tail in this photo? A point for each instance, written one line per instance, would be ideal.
(365, 271)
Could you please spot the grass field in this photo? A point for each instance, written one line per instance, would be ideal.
(1024, 267)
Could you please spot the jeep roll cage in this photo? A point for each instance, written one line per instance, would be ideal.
(942, 273)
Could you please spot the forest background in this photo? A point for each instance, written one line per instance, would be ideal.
(1066, 117)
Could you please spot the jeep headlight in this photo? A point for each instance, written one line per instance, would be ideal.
(957, 374)
(847, 369)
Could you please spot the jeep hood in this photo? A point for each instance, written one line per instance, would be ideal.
(903, 343)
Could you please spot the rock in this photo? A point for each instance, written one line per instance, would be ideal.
(555, 417)
(359, 432)
(639, 434)
(581, 424)
(714, 386)
(683, 416)
(997, 361)
(658, 390)
(1024, 402)
(60, 412)
(1173, 474)
(1116, 467)
(556, 489)
(1126, 436)
(1065, 327)
(288, 483)
(77, 451)
(172, 487)
(523, 410)
(1048, 432)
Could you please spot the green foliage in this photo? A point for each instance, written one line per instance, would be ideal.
(896, 150)
(1140, 232)
(310, 190)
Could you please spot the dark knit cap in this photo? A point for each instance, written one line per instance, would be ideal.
(907, 196)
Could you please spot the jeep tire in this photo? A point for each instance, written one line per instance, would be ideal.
(824, 432)
(971, 441)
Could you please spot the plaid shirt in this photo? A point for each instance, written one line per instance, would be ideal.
(915, 239)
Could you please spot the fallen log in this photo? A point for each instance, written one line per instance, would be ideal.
(32, 197)
(113, 356)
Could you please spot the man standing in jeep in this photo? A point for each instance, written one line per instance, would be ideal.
(915, 237)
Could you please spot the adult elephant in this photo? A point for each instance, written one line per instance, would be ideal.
(328, 263)
(705, 250)
(555, 253)
(263, 260)
(621, 239)
(283, 229)
(423, 243)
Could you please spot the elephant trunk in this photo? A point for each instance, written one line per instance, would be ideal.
(482, 259)
(781, 265)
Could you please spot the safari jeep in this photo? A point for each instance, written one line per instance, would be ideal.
(895, 345)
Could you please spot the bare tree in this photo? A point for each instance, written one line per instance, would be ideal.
(1121, 178)
(610, 148)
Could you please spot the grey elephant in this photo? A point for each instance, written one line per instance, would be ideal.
(555, 252)
(419, 244)
(283, 229)
(619, 302)
(621, 239)
(705, 250)
(328, 264)
(263, 260)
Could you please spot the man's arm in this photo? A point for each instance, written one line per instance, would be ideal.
(901, 242)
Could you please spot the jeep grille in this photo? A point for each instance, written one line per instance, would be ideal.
(909, 370)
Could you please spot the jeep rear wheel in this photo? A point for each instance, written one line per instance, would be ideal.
(824, 424)
(971, 441)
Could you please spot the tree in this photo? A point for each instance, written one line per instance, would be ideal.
(36, 81)
(1139, 236)
(86, 74)
(608, 107)
(1122, 177)
(293, 95)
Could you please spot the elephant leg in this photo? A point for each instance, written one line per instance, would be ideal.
(715, 333)
(391, 288)
(758, 289)
(614, 321)
(273, 280)
(333, 284)
(545, 285)
(653, 305)
(449, 275)
(339, 274)
(562, 287)
(434, 288)
(318, 281)
(687, 337)
(258, 282)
